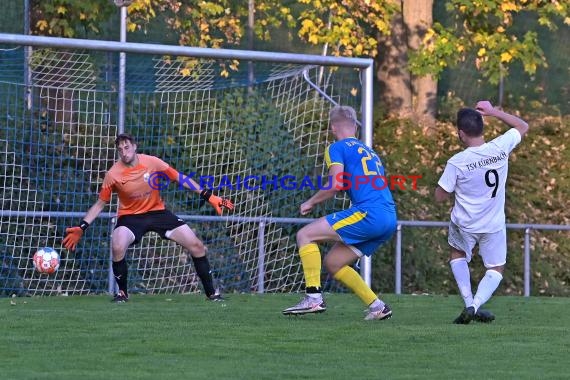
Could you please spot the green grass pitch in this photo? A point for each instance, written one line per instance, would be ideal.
(247, 337)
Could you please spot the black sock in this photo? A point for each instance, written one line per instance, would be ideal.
(202, 267)
(313, 290)
(121, 272)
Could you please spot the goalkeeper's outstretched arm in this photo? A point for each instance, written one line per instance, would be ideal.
(218, 203)
(73, 234)
(94, 211)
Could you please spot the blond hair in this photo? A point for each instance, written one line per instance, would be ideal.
(343, 115)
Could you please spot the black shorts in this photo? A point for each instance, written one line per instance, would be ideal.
(160, 221)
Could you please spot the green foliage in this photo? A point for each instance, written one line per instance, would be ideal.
(538, 190)
(210, 23)
(349, 28)
(489, 29)
(69, 18)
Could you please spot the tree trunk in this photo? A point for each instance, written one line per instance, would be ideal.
(418, 18)
(401, 94)
(392, 73)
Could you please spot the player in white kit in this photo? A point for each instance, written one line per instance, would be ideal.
(477, 176)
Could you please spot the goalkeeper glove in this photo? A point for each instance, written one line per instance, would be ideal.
(216, 202)
(73, 235)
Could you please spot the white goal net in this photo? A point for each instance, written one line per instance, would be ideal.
(259, 143)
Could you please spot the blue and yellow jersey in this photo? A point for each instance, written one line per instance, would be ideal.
(363, 176)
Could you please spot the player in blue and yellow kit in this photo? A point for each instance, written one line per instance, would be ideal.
(357, 231)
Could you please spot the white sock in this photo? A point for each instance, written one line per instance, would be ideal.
(462, 276)
(376, 305)
(489, 283)
(315, 295)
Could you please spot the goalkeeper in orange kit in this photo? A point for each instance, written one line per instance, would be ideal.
(141, 209)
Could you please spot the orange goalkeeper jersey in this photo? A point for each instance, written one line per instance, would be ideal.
(136, 195)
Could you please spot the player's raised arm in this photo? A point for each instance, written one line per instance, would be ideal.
(485, 108)
(73, 234)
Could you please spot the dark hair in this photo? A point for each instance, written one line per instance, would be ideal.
(125, 137)
(470, 121)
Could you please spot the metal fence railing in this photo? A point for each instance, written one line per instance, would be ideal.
(514, 226)
(527, 227)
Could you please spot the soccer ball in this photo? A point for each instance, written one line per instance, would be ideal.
(46, 260)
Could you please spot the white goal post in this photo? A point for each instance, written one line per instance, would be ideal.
(186, 106)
